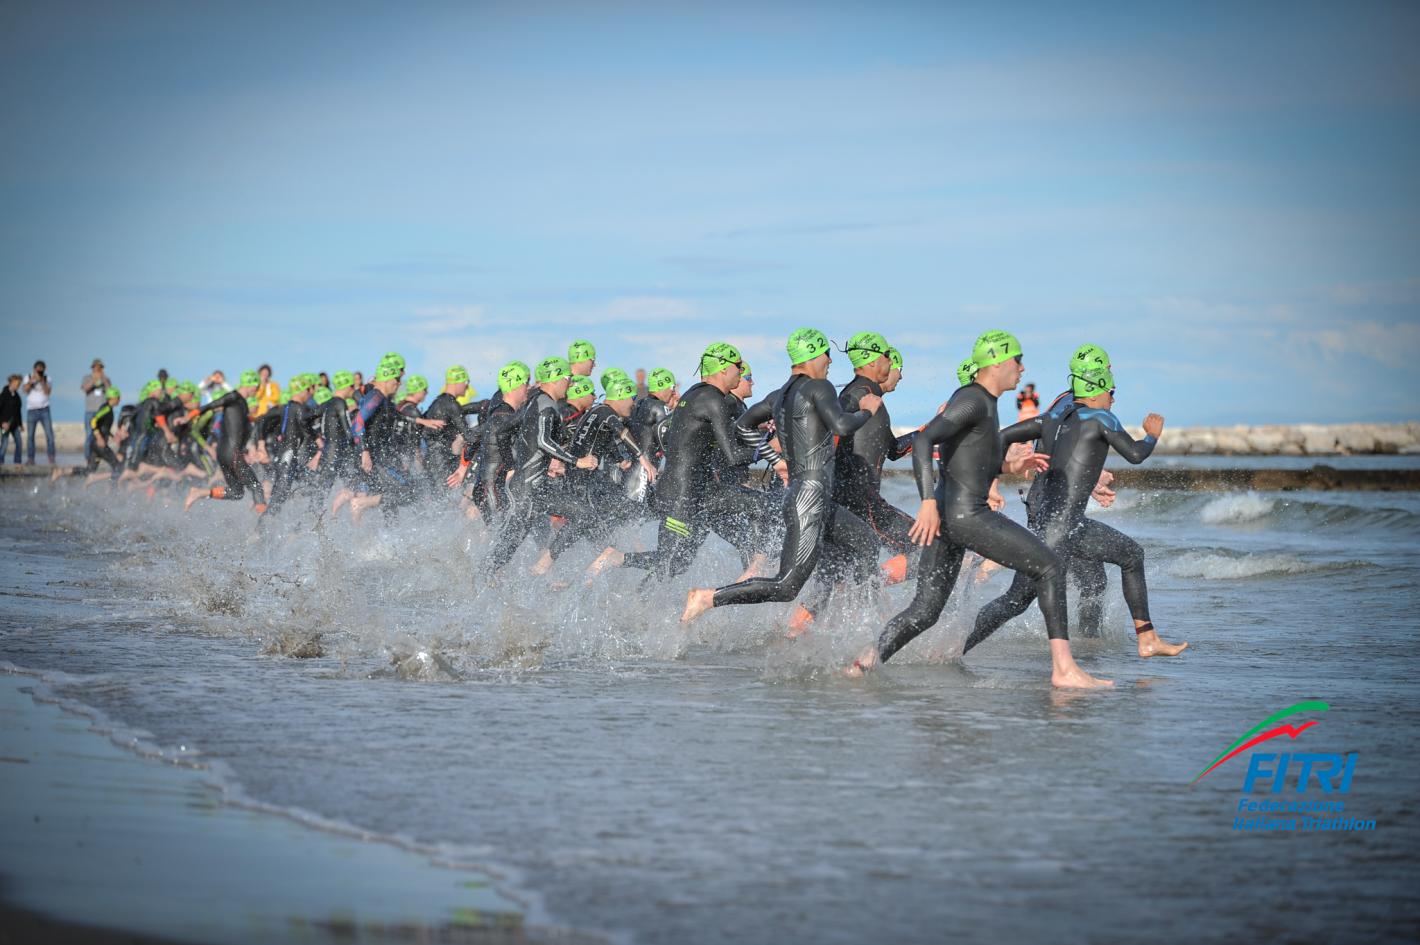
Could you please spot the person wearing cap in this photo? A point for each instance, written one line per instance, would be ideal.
(689, 499)
(446, 445)
(290, 428)
(490, 444)
(142, 448)
(537, 446)
(94, 384)
(595, 502)
(101, 430)
(1080, 441)
(954, 516)
(581, 358)
(650, 412)
(233, 428)
(375, 431)
(335, 458)
(807, 417)
(859, 457)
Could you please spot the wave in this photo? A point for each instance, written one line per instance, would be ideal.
(1286, 511)
(1234, 566)
(1243, 507)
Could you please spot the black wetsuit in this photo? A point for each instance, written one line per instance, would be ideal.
(376, 428)
(689, 498)
(807, 417)
(972, 450)
(648, 415)
(535, 495)
(102, 424)
(338, 456)
(292, 427)
(1078, 444)
(440, 460)
(858, 469)
(231, 442)
(594, 502)
(143, 432)
(491, 445)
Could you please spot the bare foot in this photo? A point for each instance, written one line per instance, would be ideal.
(984, 572)
(341, 497)
(192, 496)
(1151, 645)
(755, 563)
(543, 565)
(610, 558)
(1066, 673)
(360, 503)
(894, 570)
(55, 473)
(697, 602)
(800, 622)
(259, 508)
(868, 659)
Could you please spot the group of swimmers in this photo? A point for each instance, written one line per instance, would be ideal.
(545, 459)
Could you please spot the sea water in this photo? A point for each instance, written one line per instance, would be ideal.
(727, 784)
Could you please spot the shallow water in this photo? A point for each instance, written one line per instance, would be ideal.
(730, 787)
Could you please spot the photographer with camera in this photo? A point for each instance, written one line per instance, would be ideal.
(37, 411)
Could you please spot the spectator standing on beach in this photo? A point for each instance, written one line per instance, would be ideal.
(93, 385)
(641, 389)
(1027, 404)
(268, 392)
(37, 389)
(10, 422)
(213, 387)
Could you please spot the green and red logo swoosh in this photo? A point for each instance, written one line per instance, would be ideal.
(1251, 738)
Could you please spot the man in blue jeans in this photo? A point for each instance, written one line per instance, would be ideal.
(37, 390)
(11, 421)
(93, 385)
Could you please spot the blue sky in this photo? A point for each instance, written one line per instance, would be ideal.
(1224, 196)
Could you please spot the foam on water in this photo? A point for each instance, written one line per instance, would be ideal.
(1230, 566)
(1230, 509)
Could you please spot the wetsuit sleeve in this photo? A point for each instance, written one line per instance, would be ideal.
(546, 442)
(839, 421)
(961, 412)
(473, 406)
(1023, 432)
(746, 429)
(902, 445)
(1135, 451)
(98, 417)
(224, 401)
(368, 405)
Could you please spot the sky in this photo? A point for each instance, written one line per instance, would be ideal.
(1224, 196)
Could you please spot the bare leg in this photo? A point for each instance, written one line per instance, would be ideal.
(341, 497)
(360, 503)
(543, 564)
(193, 495)
(756, 562)
(1066, 673)
(799, 622)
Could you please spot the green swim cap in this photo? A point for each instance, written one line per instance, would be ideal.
(393, 357)
(621, 388)
(805, 344)
(188, 388)
(717, 357)
(611, 374)
(322, 395)
(249, 379)
(966, 372)
(341, 379)
(297, 384)
(660, 379)
(111, 393)
(1088, 356)
(745, 372)
(994, 347)
(513, 375)
(147, 389)
(581, 350)
(351, 403)
(284, 399)
(866, 347)
(171, 385)
(1091, 381)
(416, 383)
(458, 374)
(252, 403)
(388, 371)
(581, 387)
(552, 368)
(895, 356)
